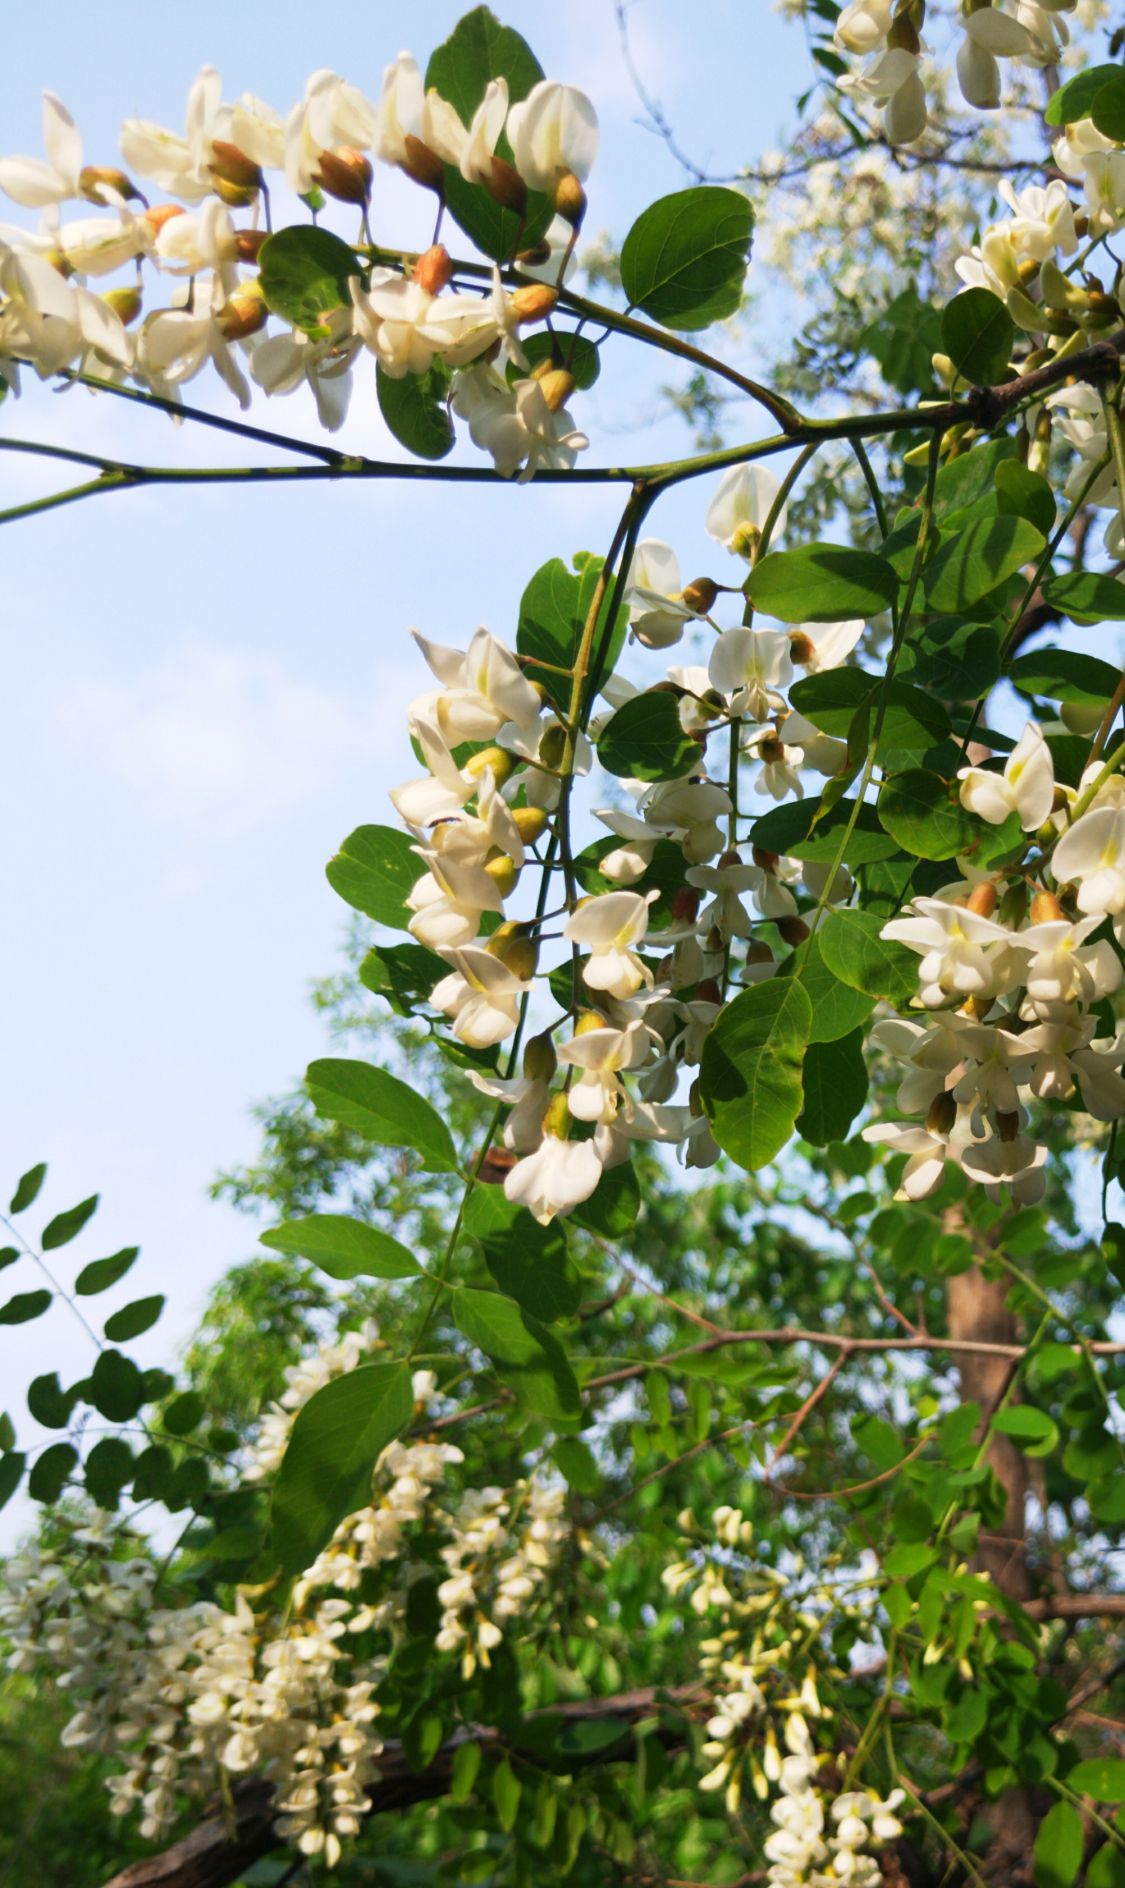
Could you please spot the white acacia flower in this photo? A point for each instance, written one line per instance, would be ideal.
(527, 1096)
(553, 1180)
(179, 165)
(863, 26)
(653, 595)
(553, 131)
(689, 811)
(1018, 1163)
(601, 1054)
(1092, 854)
(927, 1154)
(1063, 967)
(484, 133)
(97, 245)
(56, 322)
(740, 507)
(515, 425)
(483, 688)
(958, 948)
(1026, 786)
(482, 996)
(610, 926)
(891, 79)
(409, 115)
(778, 775)
(749, 666)
(727, 882)
(175, 344)
(281, 363)
(1042, 224)
(820, 646)
(391, 319)
(331, 113)
(37, 181)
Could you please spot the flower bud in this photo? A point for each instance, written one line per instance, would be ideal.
(126, 303)
(507, 188)
(759, 952)
(570, 200)
(235, 196)
(160, 213)
(552, 748)
(942, 1114)
(767, 861)
(708, 991)
(231, 166)
(1046, 909)
(556, 384)
(245, 314)
(1080, 717)
(95, 180)
(536, 257)
(434, 270)
(589, 1021)
(539, 1059)
(556, 1121)
(248, 243)
(534, 302)
(496, 1166)
(492, 760)
(745, 540)
(801, 647)
(700, 595)
(792, 930)
(685, 905)
(422, 164)
(516, 949)
(503, 872)
(346, 175)
(905, 32)
(982, 899)
(530, 822)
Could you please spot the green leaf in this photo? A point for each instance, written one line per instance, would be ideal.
(116, 1387)
(1108, 108)
(907, 1559)
(416, 409)
(1106, 1869)
(1103, 1778)
(611, 1210)
(1023, 494)
(529, 1262)
(1033, 1429)
(24, 1306)
(1087, 596)
(978, 334)
(685, 258)
(804, 830)
(750, 1076)
(1064, 675)
(970, 477)
(9, 1255)
(477, 50)
(644, 740)
(101, 1273)
(837, 1008)
(404, 974)
(1075, 100)
(553, 612)
(822, 583)
(566, 349)
(830, 700)
(506, 1792)
(51, 1471)
(834, 1080)
(913, 723)
(855, 952)
(525, 1354)
(953, 657)
(466, 1767)
(382, 1108)
(578, 1464)
(11, 1474)
(1057, 1856)
(134, 1318)
(28, 1188)
(304, 274)
(921, 812)
(343, 1247)
(67, 1226)
(979, 558)
(49, 1403)
(334, 1445)
(109, 1469)
(374, 870)
(903, 340)
(184, 1413)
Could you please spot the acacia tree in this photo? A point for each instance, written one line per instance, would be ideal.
(628, 1476)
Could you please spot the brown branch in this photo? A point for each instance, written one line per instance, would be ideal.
(814, 1396)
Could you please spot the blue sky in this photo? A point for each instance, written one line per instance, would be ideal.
(206, 690)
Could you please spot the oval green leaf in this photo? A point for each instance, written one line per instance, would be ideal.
(334, 1445)
(133, 1319)
(28, 1188)
(978, 334)
(523, 1352)
(644, 740)
(101, 1273)
(924, 815)
(67, 1226)
(343, 1247)
(684, 260)
(304, 273)
(750, 1076)
(374, 871)
(979, 558)
(382, 1108)
(416, 409)
(854, 951)
(822, 583)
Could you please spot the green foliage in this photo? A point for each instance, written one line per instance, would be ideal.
(335, 1443)
(978, 559)
(304, 273)
(479, 49)
(416, 409)
(67, 1226)
(525, 1355)
(553, 612)
(383, 1109)
(343, 1247)
(822, 583)
(684, 260)
(978, 334)
(374, 871)
(27, 1192)
(750, 1077)
(644, 740)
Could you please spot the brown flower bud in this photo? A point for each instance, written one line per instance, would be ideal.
(536, 256)
(503, 871)
(96, 180)
(982, 899)
(434, 270)
(942, 1114)
(556, 384)
(160, 213)
(588, 1021)
(530, 822)
(507, 188)
(759, 952)
(496, 1166)
(125, 302)
(235, 196)
(570, 200)
(801, 647)
(231, 166)
(685, 905)
(245, 314)
(422, 164)
(708, 991)
(792, 930)
(248, 243)
(515, 948)
(699, 595)
(345, 174)
(552, 748)
(768, 861)
(534, 302)
(1046, 909)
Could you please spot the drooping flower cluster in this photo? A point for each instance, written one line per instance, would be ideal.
(655, 965)
(182, 1696)
(217, 313)
(888, 37)
(1012, 972)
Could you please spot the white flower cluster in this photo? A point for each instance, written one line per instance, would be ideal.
(888, 35)
(499, 759)
(1011, 980)
(184, 1695)
(216, 316)
(821, 1838)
